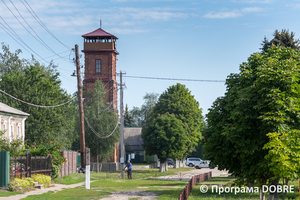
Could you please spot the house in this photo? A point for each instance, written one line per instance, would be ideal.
(12, 122)
(133, 144)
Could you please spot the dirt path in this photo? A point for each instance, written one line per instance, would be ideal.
(128, 195)
(57, 187)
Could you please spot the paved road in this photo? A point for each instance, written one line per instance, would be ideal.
(189, 174)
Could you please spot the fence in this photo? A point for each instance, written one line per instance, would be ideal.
(195, 179)
(25, 166)
(70, 165)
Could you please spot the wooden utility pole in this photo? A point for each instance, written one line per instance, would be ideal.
(122, 158)
(81, 113)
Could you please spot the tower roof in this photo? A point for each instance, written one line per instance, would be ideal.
(99, 33)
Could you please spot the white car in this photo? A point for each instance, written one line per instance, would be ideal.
(204, 164)
(191, 162)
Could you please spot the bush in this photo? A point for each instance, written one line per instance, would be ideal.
(42, 179)
(21, 185)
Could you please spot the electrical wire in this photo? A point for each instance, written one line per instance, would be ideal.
(173, 79)
(35, 104)
(35, 37)
(96, 133)
(31, 11)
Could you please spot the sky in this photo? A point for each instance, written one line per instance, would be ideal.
(179, 39)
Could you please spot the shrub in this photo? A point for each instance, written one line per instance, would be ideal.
(21, 185)
(42, 179)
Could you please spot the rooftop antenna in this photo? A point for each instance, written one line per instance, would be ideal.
(100, 23)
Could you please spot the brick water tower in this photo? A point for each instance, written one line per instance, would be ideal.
(100, 56)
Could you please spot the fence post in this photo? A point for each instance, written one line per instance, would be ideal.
(30, 164)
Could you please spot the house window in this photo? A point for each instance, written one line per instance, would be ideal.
(11, 133)
(98, 66)
(4, 130)
(19, 132)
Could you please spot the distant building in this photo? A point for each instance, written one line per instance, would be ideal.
(12, 122)
(133, 144)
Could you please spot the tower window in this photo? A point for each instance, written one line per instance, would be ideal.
(98, 66)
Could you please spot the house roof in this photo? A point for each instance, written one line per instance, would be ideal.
(99, 33)
(133, 136)
(10, 110)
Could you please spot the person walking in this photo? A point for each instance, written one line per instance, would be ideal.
(129, 169)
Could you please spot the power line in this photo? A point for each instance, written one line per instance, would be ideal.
(96, 133)
(35, 37)
(17, 36)
(35, 104)
(31, 11)
(174, 79)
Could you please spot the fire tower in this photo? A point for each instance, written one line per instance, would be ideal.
(100, 56)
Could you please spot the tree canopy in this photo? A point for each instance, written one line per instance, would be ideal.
(252, 129)
(103, 119)
(38, 85)
(283, 38)
(175, 103)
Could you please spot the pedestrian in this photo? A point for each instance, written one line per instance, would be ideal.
(129, 169)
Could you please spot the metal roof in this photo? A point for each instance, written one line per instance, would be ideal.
(99, 33)
(10, 110)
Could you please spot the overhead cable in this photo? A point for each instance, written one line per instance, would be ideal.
(173, 79)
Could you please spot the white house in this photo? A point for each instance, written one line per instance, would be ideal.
(12, 122)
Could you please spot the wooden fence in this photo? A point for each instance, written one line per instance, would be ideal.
(70, 166)
(25, 166)
(195, 179)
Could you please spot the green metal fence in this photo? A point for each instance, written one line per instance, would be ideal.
(4, 168)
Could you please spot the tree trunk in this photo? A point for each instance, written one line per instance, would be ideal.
(162, 166)
(274, 196)
(262, 196)
(97, 163)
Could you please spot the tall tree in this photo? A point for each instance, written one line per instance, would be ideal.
(176, 102)
(283, 38)
(102, 131)
(128, 119)
(257, 119)
(165, 137)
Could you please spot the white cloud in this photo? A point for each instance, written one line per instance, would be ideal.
(127, 30)
(233, 13)
(253, 1)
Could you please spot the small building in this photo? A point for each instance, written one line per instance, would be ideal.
(133, 144)
(12, 122)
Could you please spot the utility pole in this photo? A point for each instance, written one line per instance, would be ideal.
(81, 113)
(122, 159)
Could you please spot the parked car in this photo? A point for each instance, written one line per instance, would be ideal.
(80, 170)
(204, 164)
(191, 162)
(170, 162)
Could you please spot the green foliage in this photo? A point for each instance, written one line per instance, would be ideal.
(252, 130)
(15, 147)
(128, 119)
(165, 137)
(49, 148)
(42, 179)
(141, 115)
(283, 38)
(21, 185)
(177, 100)
(37, 84)
(103, 119)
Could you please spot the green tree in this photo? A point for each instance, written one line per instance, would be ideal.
(10, 61)
(178, 100)
(283, 38)
(249, 127)
(165, 137)
(103, 119)
(38, 85)
(15, 147)
(128, 119)
(141, 115)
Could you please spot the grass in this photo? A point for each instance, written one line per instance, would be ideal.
(6, 193)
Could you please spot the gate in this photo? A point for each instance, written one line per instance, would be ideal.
(4, 168)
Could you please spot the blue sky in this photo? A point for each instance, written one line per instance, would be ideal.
(184, 39)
